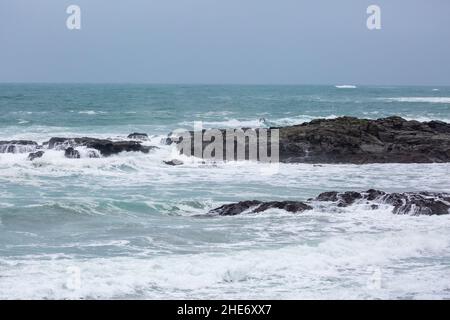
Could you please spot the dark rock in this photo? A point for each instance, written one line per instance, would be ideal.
(358, 141)
(138, 136)
(289, 206)
(412, 203)
(35, 155)
(422, 203)
(17, 146)
(72, 153)
(352, 140)
(343, 199)
(255, 206)
(174, 162)
(104, 146)
(235, 208)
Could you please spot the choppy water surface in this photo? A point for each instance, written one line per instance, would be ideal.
(135, 228)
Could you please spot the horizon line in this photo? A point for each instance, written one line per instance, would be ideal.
(218, 84)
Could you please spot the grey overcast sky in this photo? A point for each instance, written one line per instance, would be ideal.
(226, 41)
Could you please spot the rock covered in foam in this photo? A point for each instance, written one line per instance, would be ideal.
(413, 203)
(18, 146)
(104, 146)
(71, 153)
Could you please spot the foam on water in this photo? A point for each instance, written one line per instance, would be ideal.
(421, 99)
(346, 86)
(401, 263)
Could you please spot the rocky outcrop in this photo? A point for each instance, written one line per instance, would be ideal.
(358, 141)
(352, 140)
(413, 203)
(17, 146)
(104, 146)
(35, 155)
(255, 206)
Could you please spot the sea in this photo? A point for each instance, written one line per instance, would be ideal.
(130, 226)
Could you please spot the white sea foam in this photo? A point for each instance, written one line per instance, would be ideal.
(336, 266)
(318, 254)
(228, 123)
(346, 86)
(261, 122)
(91, 112)
(420, 99)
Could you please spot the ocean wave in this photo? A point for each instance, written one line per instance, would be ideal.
(260, 123)
(339, 266)
(229, 123)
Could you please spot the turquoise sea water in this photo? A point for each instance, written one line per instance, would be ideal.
(132, 227)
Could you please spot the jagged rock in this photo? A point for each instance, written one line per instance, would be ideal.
(358, 141)
(35, 155)
(174, 162)
(352, 140)
(233, 209)
(138, 136)
(17, 146)
(255, 206)
(71, 153)
(413, 203)
(343, 199)
(289, 206)
(104, 146)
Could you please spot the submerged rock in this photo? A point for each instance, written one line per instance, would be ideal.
(358, 141)
(412, 203)
(138, 136)
(35, 155)
(17, 146)
(104, 146)
(173, 162)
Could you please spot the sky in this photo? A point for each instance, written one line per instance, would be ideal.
(226, 42)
